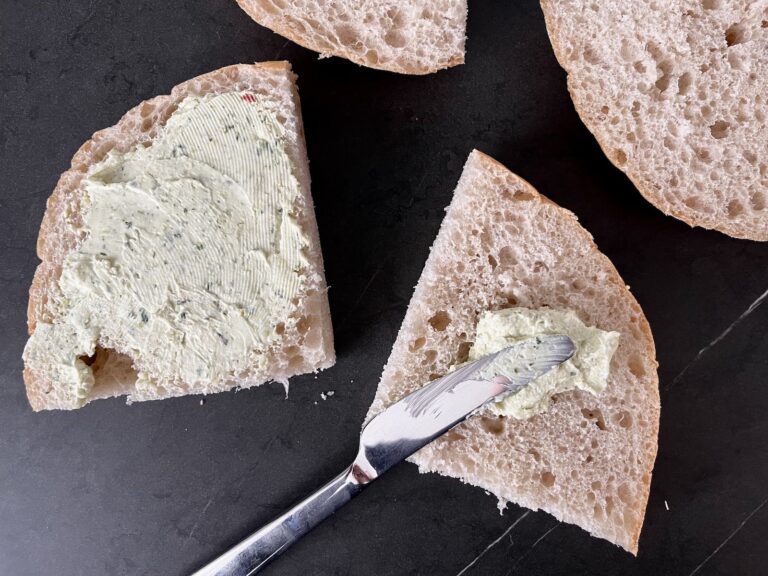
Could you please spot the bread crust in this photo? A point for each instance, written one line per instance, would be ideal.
(59, 236)
(282, 28)
(646, 188)
(470, 442)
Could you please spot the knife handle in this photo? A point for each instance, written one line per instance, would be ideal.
(263, 546)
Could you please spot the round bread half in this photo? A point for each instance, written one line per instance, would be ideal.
(415, 37)
(676, 93)
(588, 459)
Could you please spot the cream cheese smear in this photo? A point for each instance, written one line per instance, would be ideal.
(192, 257)
(587, 370)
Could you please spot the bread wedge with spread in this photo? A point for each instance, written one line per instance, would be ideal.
(676, 93)
(416, 37)
(587, 460)
(180, 252)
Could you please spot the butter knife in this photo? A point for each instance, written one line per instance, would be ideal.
(392, 436)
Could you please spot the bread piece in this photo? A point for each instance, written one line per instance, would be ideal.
(676, 93)
(415, 37)
(588, 460)
(307, 341)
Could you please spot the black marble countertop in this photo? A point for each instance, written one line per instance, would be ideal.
(159, 488)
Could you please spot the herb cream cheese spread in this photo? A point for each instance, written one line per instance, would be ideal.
(191, 257)
(588, 369)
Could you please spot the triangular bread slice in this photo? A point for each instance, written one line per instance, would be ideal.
(306, 342)
(415, 37)
(588, 460)
(676, 93)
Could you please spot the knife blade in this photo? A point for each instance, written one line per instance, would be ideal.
(393, 435)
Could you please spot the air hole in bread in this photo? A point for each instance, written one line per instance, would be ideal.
(662, 82)
(703, 154)
(535, 453)
(694, 203)
(417, 344)
(113, 373)
(636, 366)
(590, 56)
(622, 419)
(548, 479)
(395, 38)
(597, 511)
(346, 34)
(719, 129)
(429, 357)
(578, 284)
(296, 363)
(507, 257)
(735, 61)
(372, 57)
(735, 209)
(492, 261)
(539, 266)
(621, 156)
(625, 494)
(303, 325)
(757, 201)
(440, 321)
(269, 6)
(684, 83)
(280, 329)
(454, 436)
(493, 426)
(146, 109)
(710, 4)
(88, 360)
(736, 34)
(463, 354)
(594, 415)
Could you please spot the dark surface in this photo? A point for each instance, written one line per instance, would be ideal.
(161, 487)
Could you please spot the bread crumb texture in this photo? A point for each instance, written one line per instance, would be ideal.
(415, 37)
(588, 460)
(676, 92)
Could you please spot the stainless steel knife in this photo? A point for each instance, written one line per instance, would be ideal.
(392, 436)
